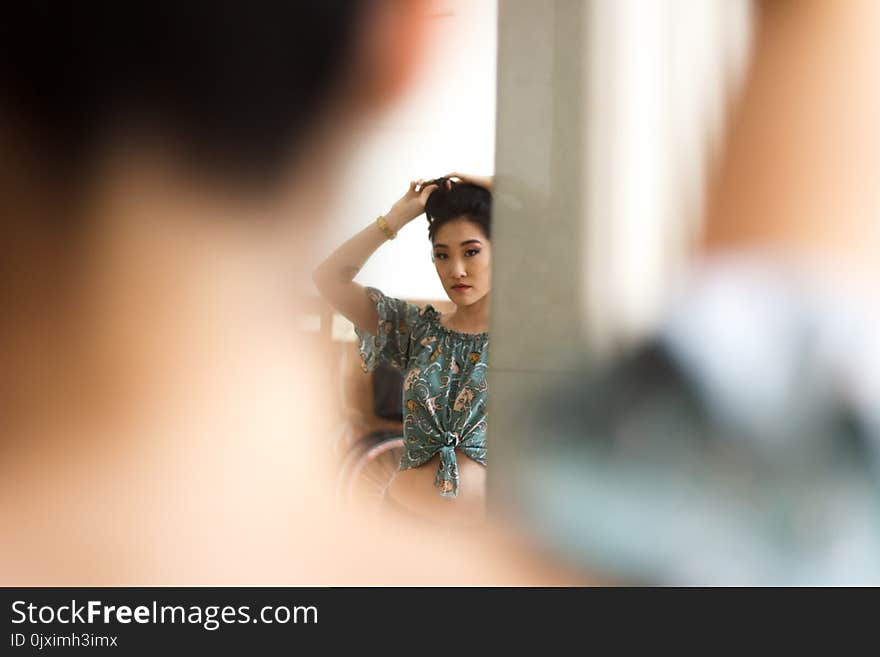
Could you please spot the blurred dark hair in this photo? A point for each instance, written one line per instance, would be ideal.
(460, 200)
(235, 84)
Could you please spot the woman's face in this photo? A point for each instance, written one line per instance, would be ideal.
(463, 257)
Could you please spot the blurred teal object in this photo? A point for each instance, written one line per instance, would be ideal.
(738, 447)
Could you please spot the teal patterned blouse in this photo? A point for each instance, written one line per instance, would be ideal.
(444, 387)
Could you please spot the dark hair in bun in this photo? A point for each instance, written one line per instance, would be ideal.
(462, 199)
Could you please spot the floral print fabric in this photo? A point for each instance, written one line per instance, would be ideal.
(444, 387)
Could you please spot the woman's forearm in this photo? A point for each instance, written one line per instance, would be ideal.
(345, 262)
(334, 277)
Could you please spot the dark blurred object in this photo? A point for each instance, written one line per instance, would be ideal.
(739, 447)
(235, 84)
(388, 393)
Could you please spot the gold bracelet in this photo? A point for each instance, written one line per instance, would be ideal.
(385, 228)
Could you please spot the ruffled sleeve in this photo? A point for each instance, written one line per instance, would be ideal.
(391, 342)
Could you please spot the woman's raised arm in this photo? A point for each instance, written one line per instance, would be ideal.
(334, 277)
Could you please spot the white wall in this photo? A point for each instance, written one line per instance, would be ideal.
(660, 76)
(446, 122)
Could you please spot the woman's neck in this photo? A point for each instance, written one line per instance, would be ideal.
(473, 318)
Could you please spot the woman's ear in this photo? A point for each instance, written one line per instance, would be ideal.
(392, 41)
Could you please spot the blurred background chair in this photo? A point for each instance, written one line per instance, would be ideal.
(368, 443)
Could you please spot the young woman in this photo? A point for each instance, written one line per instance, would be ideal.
(443, 357)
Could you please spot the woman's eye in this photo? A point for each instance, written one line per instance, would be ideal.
(440, 256)
(471, 252)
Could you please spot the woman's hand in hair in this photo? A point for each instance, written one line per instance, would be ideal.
(482, 181)
(410, 205)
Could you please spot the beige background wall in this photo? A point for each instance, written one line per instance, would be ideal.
(609, 116)
(538, 221)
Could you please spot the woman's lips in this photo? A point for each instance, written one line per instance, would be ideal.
(461, 288)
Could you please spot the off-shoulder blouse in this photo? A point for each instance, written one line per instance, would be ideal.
(444, 387)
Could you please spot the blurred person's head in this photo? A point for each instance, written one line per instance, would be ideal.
(231, 93)
(147, 151)
(163, 168)
(459, 227)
